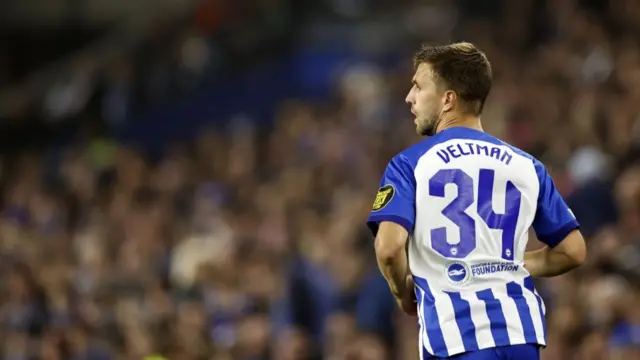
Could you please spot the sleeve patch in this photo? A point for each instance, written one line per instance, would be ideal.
(383, 197)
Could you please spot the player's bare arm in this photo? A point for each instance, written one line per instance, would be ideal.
(392, 260)
(552, 261)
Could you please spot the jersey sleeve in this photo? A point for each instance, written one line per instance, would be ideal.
(553, 220)
(395, 200)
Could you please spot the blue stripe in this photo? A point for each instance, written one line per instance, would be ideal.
(421, 322)
(514, 291)
(528, 284)
(496, 317)
(462, 312)
(431, 321)
(425, 353)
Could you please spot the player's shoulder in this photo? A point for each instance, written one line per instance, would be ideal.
(416, 151)
(410, 156)
(537, 164)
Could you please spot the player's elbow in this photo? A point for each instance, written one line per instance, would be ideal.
(579, 255)
(387, 248)
(390, 241)
(574, 249)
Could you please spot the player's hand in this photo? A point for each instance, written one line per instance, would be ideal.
(408, 302)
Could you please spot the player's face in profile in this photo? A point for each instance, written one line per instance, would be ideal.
(425, 100)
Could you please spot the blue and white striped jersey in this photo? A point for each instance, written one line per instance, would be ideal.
(468, 201)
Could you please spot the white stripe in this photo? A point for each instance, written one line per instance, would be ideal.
(511, 315)
(420, 344)
(536, 316)
(448, 325)
(421, 331)
(480, 319)
(423, 338)
(544, 309)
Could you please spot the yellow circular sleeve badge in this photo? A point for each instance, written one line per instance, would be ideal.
(383, 197)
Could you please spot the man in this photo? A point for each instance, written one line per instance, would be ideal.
(466, 201)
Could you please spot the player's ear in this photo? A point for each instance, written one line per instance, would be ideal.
(449, 100)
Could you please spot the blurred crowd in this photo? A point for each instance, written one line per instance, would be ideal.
(249, 243)
(167, 59)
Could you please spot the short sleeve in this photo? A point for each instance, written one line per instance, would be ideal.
(554, 220)
(395, 200)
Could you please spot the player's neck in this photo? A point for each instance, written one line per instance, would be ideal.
(459, 120)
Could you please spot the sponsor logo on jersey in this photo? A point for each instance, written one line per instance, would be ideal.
(493, 267)
(383, 197)
(457, 273)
